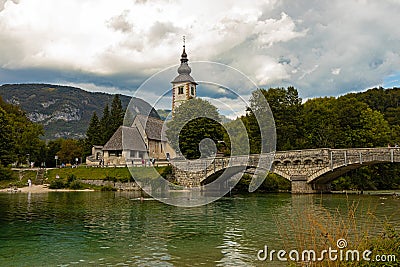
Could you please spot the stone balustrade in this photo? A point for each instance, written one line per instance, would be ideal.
(309, 170)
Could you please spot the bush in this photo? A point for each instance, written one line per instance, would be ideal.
(71, 178)
(5, 173)
(166, 171)
(57, 184)
(124, 179)
(110, 178)
(75, 185)
(108, 188)
(274, 183)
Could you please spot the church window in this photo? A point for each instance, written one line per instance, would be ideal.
(192, 90)
(180, 90)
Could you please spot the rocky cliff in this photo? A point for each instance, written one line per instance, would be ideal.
(62, 110)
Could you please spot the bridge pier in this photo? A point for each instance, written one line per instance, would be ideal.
(300, 186)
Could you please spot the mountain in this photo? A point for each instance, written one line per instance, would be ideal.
(64, 111)
(164, 114)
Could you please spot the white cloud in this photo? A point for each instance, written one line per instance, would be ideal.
(231, 108)
(91, 87)
(271, 31)
(4, 2)
(322, 48)
(335, 71)
(120, 22)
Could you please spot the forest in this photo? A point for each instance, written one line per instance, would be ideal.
(21, 142)
(365, 119)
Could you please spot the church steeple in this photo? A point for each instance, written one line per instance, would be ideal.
(184, 55)
(183, 86)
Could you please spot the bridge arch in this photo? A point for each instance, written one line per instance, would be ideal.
(308, 170)
(297, 161)
(287, 162)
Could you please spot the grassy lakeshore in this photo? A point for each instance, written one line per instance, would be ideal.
(120, 174)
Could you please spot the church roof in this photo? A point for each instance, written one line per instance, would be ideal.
(153, 127)
(183, 78)
(131, 138)
(184, 70)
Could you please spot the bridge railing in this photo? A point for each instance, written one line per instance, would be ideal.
(334, 157)
(363, 155)
(212, 165)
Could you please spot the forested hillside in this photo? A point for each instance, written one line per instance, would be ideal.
(366, 119)
(63, 111)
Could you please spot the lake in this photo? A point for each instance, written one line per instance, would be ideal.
(117, 229)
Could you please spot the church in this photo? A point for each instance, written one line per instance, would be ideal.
(145, 139)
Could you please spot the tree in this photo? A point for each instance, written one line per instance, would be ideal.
(193, 121)
(70, 149)
(93, 134)
(52, 149)
(351, 124)
(375, 130)
(116, 114)
(7, 142)
(237, 136)
(320, 122)
(105, 125)
(25, 134)
(286, 108)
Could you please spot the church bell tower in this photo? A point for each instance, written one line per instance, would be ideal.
(183, 86)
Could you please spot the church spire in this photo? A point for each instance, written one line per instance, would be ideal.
(183, 86)
(184, 58)
(184, 70)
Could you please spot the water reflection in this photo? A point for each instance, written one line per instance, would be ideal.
(116, 228)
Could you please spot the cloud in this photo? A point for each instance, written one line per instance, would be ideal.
(120, 22)
(335, 71)
(271, 31)
(160, 31)
(3, 3)
(231, 108)
(355, 35)
(320, 47)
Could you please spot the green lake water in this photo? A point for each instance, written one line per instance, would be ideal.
(117, 229)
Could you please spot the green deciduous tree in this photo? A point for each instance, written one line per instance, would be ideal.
(7, 142)
(286, 108)
(70, 149)
(320, 122)
(238, 136)
(198, 120)
(375, 129)
(52, 149)
(287, 111)
(25, 135)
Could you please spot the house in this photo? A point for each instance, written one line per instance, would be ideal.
(96, 156)
(144, 140)
(97, 152)
(126, 146)
(153, 132)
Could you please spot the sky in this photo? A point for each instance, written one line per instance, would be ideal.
(323, 48)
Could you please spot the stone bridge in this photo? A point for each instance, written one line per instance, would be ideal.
(309, 171)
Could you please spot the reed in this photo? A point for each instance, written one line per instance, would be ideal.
(319, 229)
